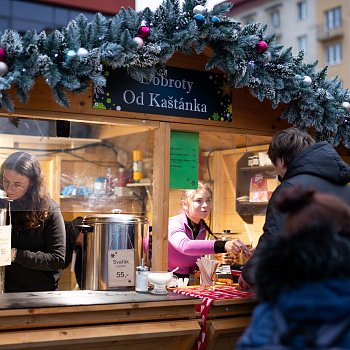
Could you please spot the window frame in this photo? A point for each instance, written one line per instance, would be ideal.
(334, 53)
(275, 18)
(302, 10)
(303, 43)
(333, 18)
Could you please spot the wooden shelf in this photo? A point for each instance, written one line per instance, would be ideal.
(257, 168)
(252, 203)
(245, 208)
(139, 184)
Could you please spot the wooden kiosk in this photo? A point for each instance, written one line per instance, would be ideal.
(86, 149)
(88, 319)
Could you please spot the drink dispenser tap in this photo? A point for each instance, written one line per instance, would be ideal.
(85, 230)
(6, 237)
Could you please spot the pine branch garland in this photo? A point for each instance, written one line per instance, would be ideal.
(269, 71)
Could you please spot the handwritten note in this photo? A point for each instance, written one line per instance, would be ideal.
(184, 151)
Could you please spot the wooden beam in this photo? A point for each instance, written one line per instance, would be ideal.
(175, 334)
(161, 171)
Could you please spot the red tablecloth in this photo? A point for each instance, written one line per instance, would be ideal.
(208, 296)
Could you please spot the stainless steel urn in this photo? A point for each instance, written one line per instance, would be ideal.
(113, 246)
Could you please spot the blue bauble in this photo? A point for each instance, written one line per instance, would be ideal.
(199, 18)
(215, 19)
(70, 54)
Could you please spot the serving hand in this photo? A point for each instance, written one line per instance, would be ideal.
(236, 246)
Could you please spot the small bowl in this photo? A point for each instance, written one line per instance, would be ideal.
(159, 279)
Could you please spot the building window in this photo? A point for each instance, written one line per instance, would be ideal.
(334, 54)
(275, 18)
(302, 43)
(302, 10)
(333, 18)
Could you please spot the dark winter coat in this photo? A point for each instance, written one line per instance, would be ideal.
(319, 167)
(325, 301)
(307, 276)
(40, 254)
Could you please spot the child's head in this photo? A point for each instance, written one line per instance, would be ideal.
(197, 203)
(314, 244)
(308, 211)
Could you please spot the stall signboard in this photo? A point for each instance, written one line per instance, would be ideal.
(181, 93)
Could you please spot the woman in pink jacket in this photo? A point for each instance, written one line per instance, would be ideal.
(188, 230)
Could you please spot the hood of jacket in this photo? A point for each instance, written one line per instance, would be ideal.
(320, 160)
(325, 300)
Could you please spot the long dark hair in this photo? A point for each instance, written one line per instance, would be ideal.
(314, 244)
(34, 204)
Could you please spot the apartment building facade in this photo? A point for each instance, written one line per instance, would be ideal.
(318, 27)
(23, 15)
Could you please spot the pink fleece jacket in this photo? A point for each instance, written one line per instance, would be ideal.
(183, 250)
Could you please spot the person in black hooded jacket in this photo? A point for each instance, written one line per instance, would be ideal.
(298, 161)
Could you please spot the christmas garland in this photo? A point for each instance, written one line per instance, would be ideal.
(142, 43)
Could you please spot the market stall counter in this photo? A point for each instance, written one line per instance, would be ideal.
(97, 320)
(125, 319)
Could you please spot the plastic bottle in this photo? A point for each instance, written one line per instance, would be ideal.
(109, 184)
(137, 165)
(122, 177)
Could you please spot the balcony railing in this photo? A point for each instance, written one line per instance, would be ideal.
(324, 33)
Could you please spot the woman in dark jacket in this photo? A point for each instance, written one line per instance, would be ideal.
(305, 272)
(38, 233)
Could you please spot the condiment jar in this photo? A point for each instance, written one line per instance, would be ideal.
(141, 282)
(256, 161)
(250, 161)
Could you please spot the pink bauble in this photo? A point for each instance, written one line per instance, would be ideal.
(139, 41)
(2, 54)
(144, 32)
(261, 46)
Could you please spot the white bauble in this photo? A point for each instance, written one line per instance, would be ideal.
(3, 68)
(307, 81)
(139, 41)
(346, 105)
(199, 9)
(82, 52)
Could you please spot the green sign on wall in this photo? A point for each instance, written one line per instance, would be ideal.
(184, 151)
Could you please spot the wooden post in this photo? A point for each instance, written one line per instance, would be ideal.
(161, 170)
